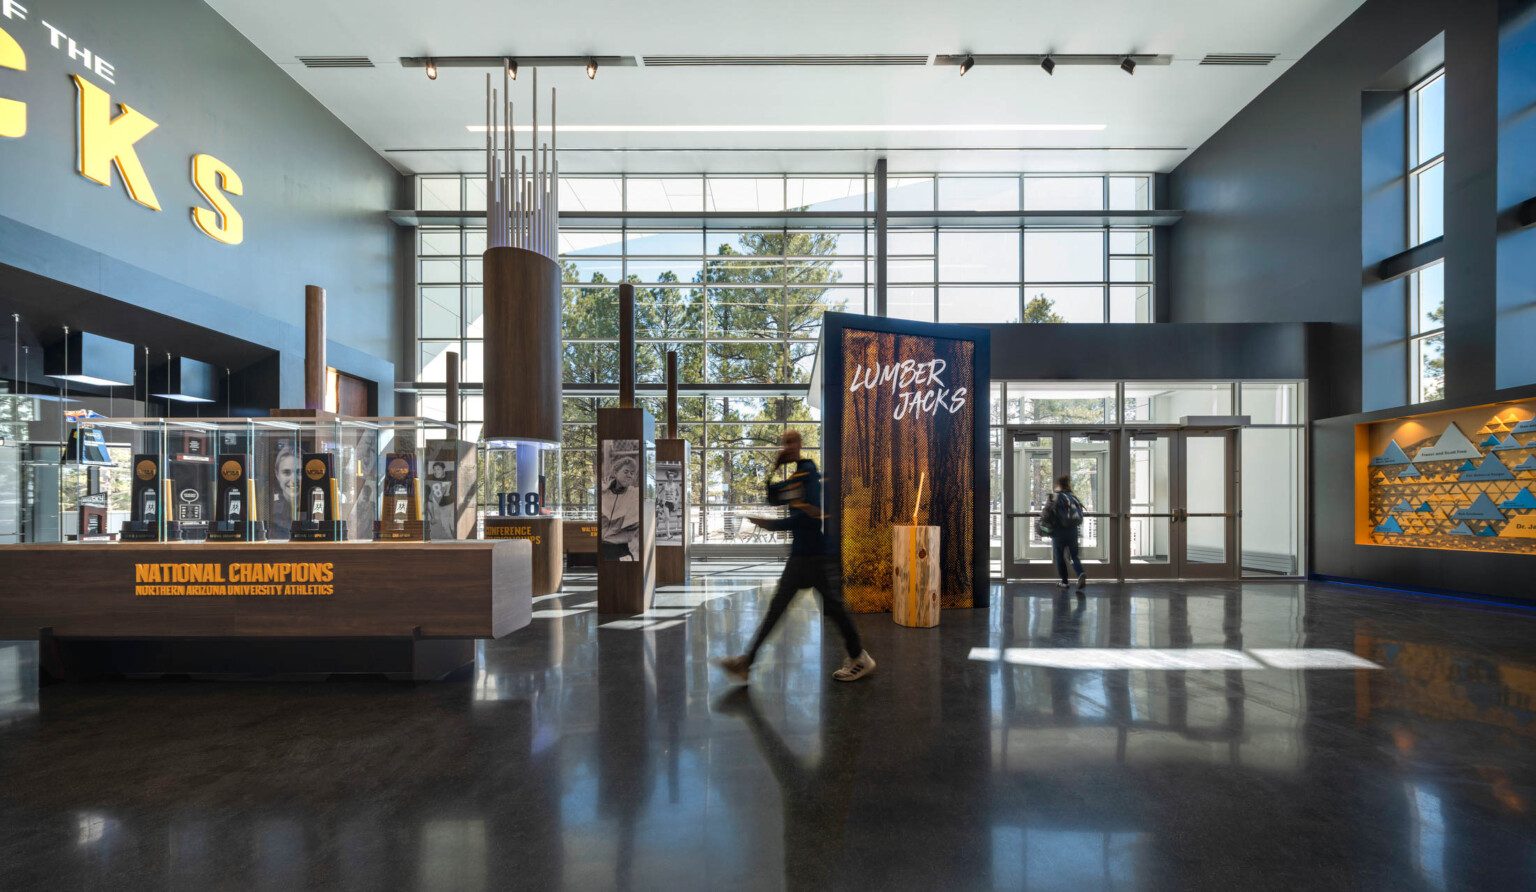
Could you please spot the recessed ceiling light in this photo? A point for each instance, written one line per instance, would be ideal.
(810, 128)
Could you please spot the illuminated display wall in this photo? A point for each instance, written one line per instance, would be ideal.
(1463, 480)
(905, 414)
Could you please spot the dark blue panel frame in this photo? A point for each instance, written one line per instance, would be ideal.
(832, 327)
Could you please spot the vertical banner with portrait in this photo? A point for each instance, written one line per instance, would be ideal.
(620, 489)
(901, 412)
(669, 503)
(440, 463)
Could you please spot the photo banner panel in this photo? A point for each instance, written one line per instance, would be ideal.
(908, 419)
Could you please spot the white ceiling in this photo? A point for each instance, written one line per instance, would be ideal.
(1152, 119)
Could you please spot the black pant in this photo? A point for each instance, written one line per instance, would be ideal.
(822, 573)
(1064, 544)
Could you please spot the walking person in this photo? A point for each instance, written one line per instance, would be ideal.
(1062, 520)
(811, 565)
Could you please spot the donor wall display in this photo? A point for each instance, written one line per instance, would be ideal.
(1463, 480)
(900, 409)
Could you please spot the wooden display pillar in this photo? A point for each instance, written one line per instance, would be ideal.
(626, 512)
(672, 493)
(672, 515)
(915, 566)
(546, 533)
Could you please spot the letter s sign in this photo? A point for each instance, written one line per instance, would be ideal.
(13, 113)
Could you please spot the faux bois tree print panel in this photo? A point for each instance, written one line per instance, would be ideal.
(908, 420)
(1463, 480)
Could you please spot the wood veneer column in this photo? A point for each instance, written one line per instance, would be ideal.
(314, 347)
(626, 346)
(451, 414)
(672, 394)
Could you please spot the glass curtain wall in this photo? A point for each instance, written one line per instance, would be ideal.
(1025, 273)
(742, 305)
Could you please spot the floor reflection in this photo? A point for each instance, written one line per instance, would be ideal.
(1157, 736)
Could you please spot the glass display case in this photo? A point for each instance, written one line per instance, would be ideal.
(257, 479)
(516, 479)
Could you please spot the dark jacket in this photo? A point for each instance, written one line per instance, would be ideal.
(801, 493)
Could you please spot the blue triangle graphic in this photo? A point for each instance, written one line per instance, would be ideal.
(1492, 468)
(1424, 508)
(1404, 505)
(1468, 466)
(1522, 502)
(1482, 509)
(1409, 471)
(1461, 529)
(1527, 426)
(1491, 441)
(1528, 465)
(1486, 531)
(1392, 455)
(1509, 442)
(1390, 526)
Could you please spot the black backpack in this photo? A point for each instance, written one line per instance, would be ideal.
(1068, 511)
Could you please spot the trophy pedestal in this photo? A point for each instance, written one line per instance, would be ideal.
(399, 531)
(319, 531)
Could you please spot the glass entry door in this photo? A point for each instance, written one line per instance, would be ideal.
(1181, 519)
(1158, 504)
(1036, 457)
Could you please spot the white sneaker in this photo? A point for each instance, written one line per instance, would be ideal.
(855, 668)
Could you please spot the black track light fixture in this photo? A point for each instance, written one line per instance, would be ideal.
(431, 69)
(592, 68)
(1048, 65)
(511, 66)
(970, 62)
(1128, 65)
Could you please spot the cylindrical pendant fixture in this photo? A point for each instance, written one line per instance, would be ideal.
(522, 347)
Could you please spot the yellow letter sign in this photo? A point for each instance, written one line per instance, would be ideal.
(104, 141)
(223, 223)
(13, 113)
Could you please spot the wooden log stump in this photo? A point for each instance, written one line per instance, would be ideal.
(915, 566)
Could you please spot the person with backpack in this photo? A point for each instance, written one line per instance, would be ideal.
(1062, 520)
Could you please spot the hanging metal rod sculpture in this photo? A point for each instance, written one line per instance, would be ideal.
(522, 207)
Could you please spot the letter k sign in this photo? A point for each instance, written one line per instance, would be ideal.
(13, 113)
(105, 141)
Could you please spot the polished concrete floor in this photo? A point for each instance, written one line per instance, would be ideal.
(592, 752)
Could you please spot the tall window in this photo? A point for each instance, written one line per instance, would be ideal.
(1426, 221)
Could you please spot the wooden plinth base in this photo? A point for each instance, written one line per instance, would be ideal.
(915, 563)
(546, 535)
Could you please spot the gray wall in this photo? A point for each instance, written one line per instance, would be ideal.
(313, 198)
(1273, 201)
(1291, 204)
(1166, 352)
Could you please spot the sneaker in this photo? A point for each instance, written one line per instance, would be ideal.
(1063, 584)
(1082, 581)
(737, 669)
(855, 668)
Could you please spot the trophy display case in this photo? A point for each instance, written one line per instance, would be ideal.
(260, 479)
